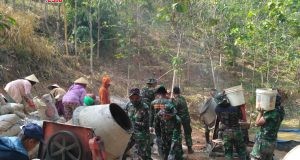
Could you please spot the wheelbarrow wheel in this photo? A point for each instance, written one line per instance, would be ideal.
(64, 145)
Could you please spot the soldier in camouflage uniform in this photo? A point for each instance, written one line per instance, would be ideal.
(266, 138)
(148, 94)
(169, 129)
(229, 117)
(138, 113)
(183, 113)
(156, 105)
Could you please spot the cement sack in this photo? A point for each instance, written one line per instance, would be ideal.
(2, 101)
(7, 121)
(12, 131)
(46, 108)
(10, 108)
(20, 114)
(6, 109)
(34, 115)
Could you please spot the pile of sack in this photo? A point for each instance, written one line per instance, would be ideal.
(14, 115)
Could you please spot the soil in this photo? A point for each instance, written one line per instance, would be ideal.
(199, 149)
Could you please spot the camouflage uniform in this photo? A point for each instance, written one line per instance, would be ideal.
(139, 116)
(232, 135)
(266, 138)
(183, 113)
(148, 95)
(155, 107)
(170, 132)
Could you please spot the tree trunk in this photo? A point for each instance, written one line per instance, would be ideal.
(58, 9)
(34, 6)
(46, 17)
(75, 29)
(66, 29)
(41, 4)
(138, 33)
(212, 69)
(14, 4)
(262, 78)
(91, 36)
(268, 67)
(188, 63)
(253, 80)
(243, 64)
(174, 71)
(30, 7)
(128, 76)
(98, 30)
(23, 5)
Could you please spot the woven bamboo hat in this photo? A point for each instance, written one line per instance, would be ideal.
(81, 80)
(32, 78)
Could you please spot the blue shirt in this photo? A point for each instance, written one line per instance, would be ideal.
(11, 148)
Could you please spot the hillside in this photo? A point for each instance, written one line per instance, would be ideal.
(36, 44)
(208, 45)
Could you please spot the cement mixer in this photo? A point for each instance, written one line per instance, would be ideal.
(99, 132)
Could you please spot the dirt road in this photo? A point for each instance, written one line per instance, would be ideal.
(199, 154)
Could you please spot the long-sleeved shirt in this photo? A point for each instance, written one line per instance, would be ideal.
(75, 94)
(17, 89)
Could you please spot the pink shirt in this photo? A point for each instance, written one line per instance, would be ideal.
(17, 89)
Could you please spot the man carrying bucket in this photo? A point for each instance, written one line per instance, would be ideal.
(229, 117)
(266, 138)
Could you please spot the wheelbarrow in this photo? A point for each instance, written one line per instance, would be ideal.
(69, 142)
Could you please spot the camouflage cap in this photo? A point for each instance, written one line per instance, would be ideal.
(151, 81)
(176, 90)
(220, 98)
(134, 91)
(161, 90)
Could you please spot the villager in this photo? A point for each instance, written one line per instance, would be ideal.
(57, 93)
(19, 90)
(17, 148)
(103, 90)
(74, 97)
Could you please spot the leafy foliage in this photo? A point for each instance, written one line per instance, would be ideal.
(6, 21)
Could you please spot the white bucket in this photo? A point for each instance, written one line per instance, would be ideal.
(265, 98)
(235, 95)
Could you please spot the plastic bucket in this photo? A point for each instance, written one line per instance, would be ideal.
(235, 95)
(265, 98)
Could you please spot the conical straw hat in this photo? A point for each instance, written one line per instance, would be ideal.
(32, 78)
(55, 85)
(81, 80)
